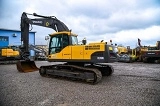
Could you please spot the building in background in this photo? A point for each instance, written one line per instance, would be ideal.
(10, 37)
(13, 37)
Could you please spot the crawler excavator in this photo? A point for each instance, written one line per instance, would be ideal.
(81, 61)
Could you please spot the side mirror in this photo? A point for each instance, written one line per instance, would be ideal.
(84, 41)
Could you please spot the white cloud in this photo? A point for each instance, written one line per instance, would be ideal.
(122, 21)
(130, 37)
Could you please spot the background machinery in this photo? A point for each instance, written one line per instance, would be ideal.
(152, 54)
(40, 53)
(82, 61)
(125, 54)
(148, 54)
(9, 54)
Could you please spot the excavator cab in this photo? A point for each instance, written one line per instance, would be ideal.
(60, 40)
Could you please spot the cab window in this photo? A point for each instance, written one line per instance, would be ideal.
(57, 43)
(74, 40)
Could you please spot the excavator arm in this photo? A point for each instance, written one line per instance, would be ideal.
(44, 21)
(26, 65)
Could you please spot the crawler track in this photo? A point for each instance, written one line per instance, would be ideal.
(90, 74)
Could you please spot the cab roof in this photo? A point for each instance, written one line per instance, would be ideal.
(63, 32)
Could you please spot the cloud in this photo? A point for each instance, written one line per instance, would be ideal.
(130, 37)
(122, 21)
(135, 19)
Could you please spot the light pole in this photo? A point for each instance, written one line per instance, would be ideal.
(47, 39)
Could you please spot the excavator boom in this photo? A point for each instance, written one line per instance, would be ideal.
(26, 65)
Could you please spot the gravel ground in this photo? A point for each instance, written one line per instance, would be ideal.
(132, 84)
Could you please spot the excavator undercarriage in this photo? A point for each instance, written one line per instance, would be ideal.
(91, 73)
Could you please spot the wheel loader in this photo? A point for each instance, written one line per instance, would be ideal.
(81, 61)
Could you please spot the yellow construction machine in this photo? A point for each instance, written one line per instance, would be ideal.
(81, 61)
(9, 53)
(130, 55)
(147, 54)
(122, 50)
(125, 54)
(138, 52)
(152, 54)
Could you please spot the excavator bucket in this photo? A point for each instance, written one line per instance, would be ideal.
(26, 66)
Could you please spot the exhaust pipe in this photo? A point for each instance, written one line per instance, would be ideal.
(26, 66)
(158, 45)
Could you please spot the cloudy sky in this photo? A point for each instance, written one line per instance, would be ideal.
(123, 21)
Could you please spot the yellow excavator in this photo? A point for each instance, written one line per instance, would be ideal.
(9, 53)
(81, 61)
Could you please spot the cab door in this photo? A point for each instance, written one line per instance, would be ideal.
(66, 51)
